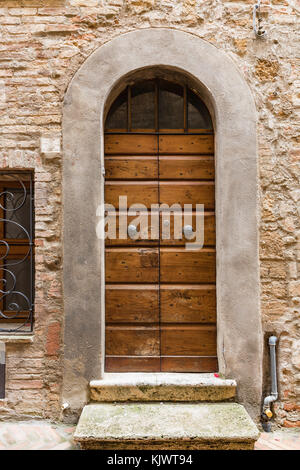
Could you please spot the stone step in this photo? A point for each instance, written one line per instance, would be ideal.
(161, 387)
(182, 426)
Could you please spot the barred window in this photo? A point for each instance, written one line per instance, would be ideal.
(16, 252)
(158, 105)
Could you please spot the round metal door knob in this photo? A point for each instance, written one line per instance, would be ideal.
(188, 232)
(132, 231)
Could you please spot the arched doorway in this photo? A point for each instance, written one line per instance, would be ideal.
(160, 295)
(229, 99)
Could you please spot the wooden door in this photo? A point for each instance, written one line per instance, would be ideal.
(132, 267)
(160, 297)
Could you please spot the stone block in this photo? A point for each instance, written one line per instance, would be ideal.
(165, 426)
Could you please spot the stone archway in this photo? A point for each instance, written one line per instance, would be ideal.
(231, 104)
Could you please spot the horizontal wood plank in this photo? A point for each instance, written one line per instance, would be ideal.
(15, 251)
(190, 304)
(132, 364)
(186, 144)
(149, 228)
(186, 167)
(132, 341)
(178, 265)
(148, 235)
(14, 316)
(189, 364)
(9, 181)
(131, 144)
(120, 167)
(188, 193)
(138, 265)
(183, 340)
(136, 193)
(167, 232)
(135, 304)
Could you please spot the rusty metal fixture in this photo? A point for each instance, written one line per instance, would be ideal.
(257, 21)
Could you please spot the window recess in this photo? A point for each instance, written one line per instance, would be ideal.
(16, 252)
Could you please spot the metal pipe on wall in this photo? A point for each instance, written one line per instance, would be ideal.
(267, 413)
(2, 370)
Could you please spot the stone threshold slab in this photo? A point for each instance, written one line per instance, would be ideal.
(17, 338)
(166, 426)
(161, 387)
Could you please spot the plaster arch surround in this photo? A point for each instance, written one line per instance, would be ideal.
(229, 99)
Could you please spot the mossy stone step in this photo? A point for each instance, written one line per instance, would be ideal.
(162, 387)
(165, 426)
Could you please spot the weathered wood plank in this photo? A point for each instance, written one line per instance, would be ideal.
(130, 144)
(186, 144)
(178, 265)
(188, 304)
(15, 251)
(189, 364)
(209, 229)
(138, 265)
(188, 340)
(132, 364)
(147, 236)
(120, 167)
(186, 167)
(132, 341)
(194, 192)
(132, 304)
(145, 193)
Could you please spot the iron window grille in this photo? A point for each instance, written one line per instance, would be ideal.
(16, 252)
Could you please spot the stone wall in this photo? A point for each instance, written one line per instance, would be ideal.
(42, 44)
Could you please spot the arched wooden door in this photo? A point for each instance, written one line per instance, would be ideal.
(160, 297)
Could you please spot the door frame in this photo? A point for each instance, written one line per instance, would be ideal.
(230, 102)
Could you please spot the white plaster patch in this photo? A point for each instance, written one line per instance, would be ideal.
(2, 92)
(50, 144)
(84, 3)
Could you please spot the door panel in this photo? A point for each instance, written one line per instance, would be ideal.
(188, 304)
(120, 167)
(151, 236)
(209, 229)
(132, 364)
(188, 193)
(148, 234)
(189, 363)
(132, 341)
(139, 265)
(177, 265)
(188, 340)
(145, 193)
(186, 144)
(132, 266)
(185, 167)
(132, 304)
(130, 144)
